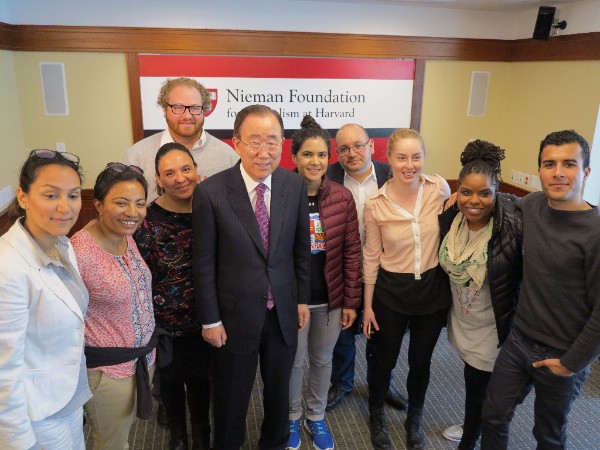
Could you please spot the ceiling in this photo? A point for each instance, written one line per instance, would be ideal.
(490, 5)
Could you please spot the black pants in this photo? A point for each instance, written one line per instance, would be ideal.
(476, 382)
(384, 347)
(187, 376)
(234, 375)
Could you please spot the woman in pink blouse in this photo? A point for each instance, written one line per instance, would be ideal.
(404, 283)
(120, 318)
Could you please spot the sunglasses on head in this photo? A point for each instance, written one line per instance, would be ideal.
(120, 167)
(52, 154)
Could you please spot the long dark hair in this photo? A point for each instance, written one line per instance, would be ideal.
(30, 171)
(309, 128)
(162, 151)
(109, 177)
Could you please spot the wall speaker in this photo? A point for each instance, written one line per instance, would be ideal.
(543, 24)
(478, 93)
(54, 89)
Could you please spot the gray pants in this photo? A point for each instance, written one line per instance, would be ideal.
(318, 339)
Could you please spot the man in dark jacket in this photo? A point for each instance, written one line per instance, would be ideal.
(252, 277)
(363, 177)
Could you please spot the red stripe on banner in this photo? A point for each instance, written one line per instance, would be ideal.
(275, 67)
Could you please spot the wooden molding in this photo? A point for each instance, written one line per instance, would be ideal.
(135, 96)
(87, 213)
(417, 103)
(573, 47)
(239, 42)
(585, 46)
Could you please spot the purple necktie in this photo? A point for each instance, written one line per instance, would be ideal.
(262, 217)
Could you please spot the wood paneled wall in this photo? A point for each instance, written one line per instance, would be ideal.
(584, 46)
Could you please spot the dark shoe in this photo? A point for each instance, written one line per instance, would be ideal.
(178, 432)
(415, 439)
(200, 436)
(177, 444)
(334, 397)
(162, 420)
(378, 428)
(395, 399)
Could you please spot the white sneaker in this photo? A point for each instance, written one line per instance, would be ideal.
(453, 433)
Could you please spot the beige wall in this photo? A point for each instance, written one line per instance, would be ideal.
(525, 102)
(550, 96)
(445, 126)
(12, 145)
(98, 127)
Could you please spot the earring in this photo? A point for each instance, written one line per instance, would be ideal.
(455, 206)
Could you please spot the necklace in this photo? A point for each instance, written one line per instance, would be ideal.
(55, 256)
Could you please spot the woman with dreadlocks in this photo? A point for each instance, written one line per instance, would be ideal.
(481, 252)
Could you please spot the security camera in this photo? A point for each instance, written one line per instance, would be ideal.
(561, 25)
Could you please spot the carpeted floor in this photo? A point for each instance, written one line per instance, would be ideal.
(443, 407)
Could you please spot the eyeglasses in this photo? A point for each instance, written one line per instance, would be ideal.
(195, 110)
(120, 167)
(343, 151)
(272, 146)
(51, 154)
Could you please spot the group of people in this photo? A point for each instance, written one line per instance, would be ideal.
(206, 264)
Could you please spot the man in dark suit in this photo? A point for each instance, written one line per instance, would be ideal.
(252, 277)
(363, 176)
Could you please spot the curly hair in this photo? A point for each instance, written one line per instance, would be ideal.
(309, 128)
(170, 83)
(481, 157)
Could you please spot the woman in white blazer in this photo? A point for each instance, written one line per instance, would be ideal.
(43, 382)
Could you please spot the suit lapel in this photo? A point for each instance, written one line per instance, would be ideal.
(23, 245)
(382, 172)
(277, 208)
(54, 283)
(240, 203)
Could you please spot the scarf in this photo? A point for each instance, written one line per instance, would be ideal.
(464, 259)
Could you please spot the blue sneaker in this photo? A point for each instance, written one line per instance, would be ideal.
(322, 439)
(294, 439)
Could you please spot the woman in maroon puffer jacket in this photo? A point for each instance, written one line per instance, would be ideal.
(335, 281)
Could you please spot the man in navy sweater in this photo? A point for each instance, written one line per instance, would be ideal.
(556, 334)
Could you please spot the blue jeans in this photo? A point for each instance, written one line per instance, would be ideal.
(512, 379)
(344, 354)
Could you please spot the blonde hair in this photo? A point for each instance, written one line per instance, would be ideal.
(404, 133)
